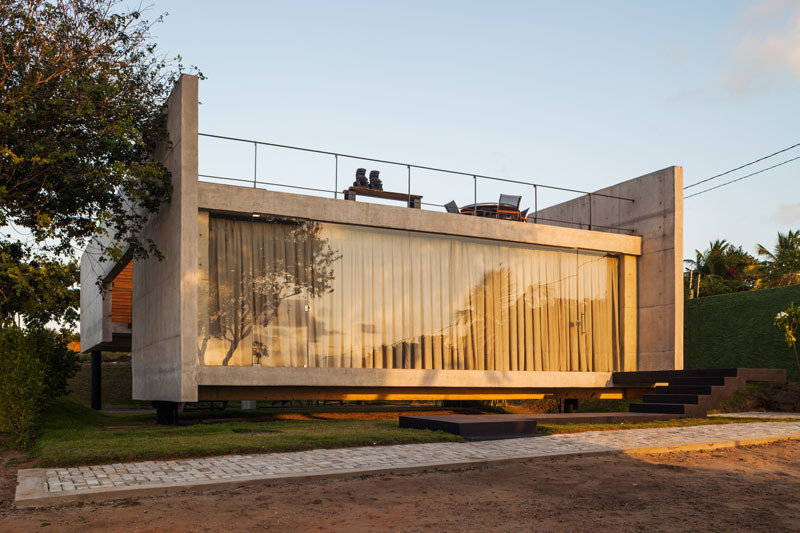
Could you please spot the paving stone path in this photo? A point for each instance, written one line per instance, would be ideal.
(766, 415)
(60, 481)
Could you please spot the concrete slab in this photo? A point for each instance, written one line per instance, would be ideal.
(57, 486)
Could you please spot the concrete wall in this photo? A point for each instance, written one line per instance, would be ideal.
(95, 303)
(657, 215)
(98, 330)
(165, 292)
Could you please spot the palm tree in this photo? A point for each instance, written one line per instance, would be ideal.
(712, 262)
(783, 264)
(723, 268)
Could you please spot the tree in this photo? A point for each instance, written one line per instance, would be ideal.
(81, 111)
(82, 91)
(788, 322)
(36, 365)
(37, 288)
(722, 268)
(782, 266)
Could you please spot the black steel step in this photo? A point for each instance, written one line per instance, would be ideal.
(697, 381)
(670, 398)
(654, 376)
(667, 408)
(683, 389)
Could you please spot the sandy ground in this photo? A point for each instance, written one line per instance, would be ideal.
(741, 489)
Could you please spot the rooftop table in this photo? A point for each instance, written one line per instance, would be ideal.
(413, 200)
(494, 210)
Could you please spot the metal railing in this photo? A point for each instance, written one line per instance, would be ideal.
(409, 166)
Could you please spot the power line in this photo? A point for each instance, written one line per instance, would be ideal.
(741, 167)
(741, 178)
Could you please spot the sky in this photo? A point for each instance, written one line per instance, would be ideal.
(573, 94)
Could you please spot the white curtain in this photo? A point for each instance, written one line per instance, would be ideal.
(291, 293)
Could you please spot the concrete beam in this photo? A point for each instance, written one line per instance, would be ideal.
(255, 376)
(242, 200)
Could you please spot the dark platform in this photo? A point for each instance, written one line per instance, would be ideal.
(477, 427)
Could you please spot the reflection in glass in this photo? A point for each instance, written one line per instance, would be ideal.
(297, 293)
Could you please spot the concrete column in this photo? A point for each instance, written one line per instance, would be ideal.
(164, 332)
(248, 404)
(96, 378)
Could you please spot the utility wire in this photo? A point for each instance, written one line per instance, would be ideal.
(741, 167)
(741, 178)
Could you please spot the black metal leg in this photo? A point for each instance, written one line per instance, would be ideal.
(166, 413)
(96, 378)
(570, 405)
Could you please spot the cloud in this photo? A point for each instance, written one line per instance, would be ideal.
(766, 49)
(787, 213)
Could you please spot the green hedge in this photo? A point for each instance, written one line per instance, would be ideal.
(735, 330)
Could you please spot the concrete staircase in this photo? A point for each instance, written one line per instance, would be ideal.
(692, 393)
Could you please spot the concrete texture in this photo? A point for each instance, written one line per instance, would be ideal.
(233, 199)
(277, 383)
(657, 215)
(95, 303)
(164, 356)
(56, 486)
(377, 377)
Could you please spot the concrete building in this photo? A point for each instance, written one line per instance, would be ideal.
(270, 295)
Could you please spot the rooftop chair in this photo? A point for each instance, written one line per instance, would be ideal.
(452, 207)
(508, 200)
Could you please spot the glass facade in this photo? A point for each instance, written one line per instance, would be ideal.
(291, 293)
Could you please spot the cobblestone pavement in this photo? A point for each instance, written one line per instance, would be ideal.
(354, 460)
(766, 415)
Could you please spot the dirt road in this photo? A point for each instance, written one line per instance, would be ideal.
(743, 489)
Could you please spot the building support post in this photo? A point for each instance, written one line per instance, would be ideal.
(96, 377)
(166, 413)
(570, 405)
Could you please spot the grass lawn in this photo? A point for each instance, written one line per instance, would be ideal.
(71, 434)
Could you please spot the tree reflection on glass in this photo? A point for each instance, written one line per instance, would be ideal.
(255, 268)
